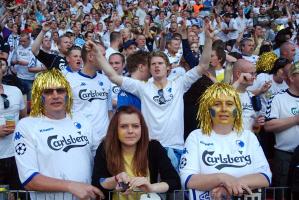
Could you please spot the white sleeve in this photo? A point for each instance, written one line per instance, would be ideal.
(190, 160)
(259, 160)
(189, 78)
(25, 151)
(272, 111)
(132, 86)
(258, 83)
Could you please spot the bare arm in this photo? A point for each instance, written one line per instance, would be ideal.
(279, 125)
(207, 182)
(254, 181)
(80, 190)
(207, 50)
(103, 64)
(211, 181)
(37, 42)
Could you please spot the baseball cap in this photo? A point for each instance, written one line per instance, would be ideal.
(295, 68)
(128, 43)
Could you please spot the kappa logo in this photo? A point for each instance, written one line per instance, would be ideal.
(221, 161)
(92, 95)
(67, 143)
(82, 84)
(18, 136)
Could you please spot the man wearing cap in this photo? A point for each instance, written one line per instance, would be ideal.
(129, 47)
(283, 120)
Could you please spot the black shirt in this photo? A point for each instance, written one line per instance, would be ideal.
(158, 161)
(4, 46)
(52, 60)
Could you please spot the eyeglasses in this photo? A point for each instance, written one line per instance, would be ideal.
(50, 91)
(161, 97)
(5, 101)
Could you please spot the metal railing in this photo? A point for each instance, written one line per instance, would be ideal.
(270, 193)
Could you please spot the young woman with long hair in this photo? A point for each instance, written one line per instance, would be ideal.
(127, 156)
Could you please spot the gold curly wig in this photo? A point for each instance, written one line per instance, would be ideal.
(49, 79)
(208, 99)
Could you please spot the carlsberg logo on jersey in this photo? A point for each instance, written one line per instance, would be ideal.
(92, 95)
(66, 143)
(221, 161)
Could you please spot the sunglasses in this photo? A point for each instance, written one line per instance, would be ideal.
(5, 101)
(50, 91)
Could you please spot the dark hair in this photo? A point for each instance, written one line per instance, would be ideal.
(133, 60)
(265, 48)
(72, 49)
(218, 44)
(86, 34)
(112, 145)
(123, 59)
(279, 64)
(114, 36)
(160, 54)
(220, 54)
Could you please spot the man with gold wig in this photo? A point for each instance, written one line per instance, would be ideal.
(221, 159)
(53, 148)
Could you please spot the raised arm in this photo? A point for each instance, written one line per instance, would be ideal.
(103, 64)
(37, 42)
(204, 61)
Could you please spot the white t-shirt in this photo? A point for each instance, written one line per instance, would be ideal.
(234, 154)
(92, 98)
(61, 149)
(16, 104)
(283, 105)
(233, 35)
(23, 54)
(164, 115)
(176, 72)
(253, 58)
(273, 90)
(248, 114)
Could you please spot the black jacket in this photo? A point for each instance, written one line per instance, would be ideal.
(159, 163)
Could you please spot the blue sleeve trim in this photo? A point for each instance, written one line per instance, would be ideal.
(29, 179)
(266, 176)
(187, 180)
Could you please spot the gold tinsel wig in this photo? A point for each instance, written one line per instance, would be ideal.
(45, 80)
(266, 62)
(208, 99)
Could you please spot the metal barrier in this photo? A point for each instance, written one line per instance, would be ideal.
(271, 193)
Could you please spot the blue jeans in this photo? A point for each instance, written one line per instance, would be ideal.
(26, 87)
(175, 156)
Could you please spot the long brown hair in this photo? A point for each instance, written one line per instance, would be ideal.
(114, 156)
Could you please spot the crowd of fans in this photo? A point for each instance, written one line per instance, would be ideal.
(159, 56)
